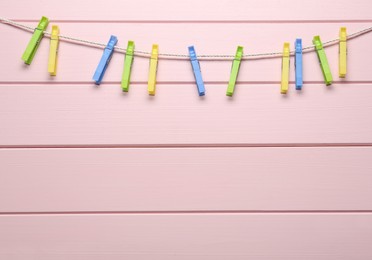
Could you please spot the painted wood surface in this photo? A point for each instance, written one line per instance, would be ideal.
(201, 10)
(186, 179)
(187, 237)
(75, 115)
(90, 173)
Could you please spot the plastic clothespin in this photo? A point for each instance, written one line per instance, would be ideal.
(32, 46)
(125, 80)
(197, 71)
(105, 59)
(153, 70)
(327, 74)
(234, 71)
(298, 64)
(285, 69)
(53, 51)
(342, 53)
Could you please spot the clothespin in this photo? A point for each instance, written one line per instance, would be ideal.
(153, 69)
(53, 51)
(298, 64)
(33, 44)
(323, 60)
(342, 53)
(234, 71)
(285, 69)
(105, 60)
(127, 66)
(197, 71)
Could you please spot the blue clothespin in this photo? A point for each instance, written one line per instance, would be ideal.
(106, 57)
(197, 72)
(298, 64)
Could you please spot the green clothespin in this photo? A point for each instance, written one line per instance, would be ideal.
(234, 71)
(125, 80)
(32, 46)
(327, 74)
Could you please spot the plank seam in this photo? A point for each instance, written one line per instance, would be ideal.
(183, 212)
(197, 21)
(164, 146)
(90, 83)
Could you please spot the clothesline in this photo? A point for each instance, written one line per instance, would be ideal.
(176, 56)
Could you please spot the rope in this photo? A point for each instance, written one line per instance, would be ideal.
(175, 56)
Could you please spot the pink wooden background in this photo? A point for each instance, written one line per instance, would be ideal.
(88, 172)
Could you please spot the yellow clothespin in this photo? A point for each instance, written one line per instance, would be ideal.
(285, 69)
(153, 69)
(342, 53)
(53, 51)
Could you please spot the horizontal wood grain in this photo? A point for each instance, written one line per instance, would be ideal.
(186, 179)
(187, 237)
(284, 177)
(58, 115)
(190, 10)
(77, 63)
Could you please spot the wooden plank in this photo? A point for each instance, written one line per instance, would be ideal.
(185, 179)
(187, 237)
(190, 10)
(257, 115)
(77, 63)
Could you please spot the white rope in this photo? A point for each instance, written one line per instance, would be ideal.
(175, 56)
